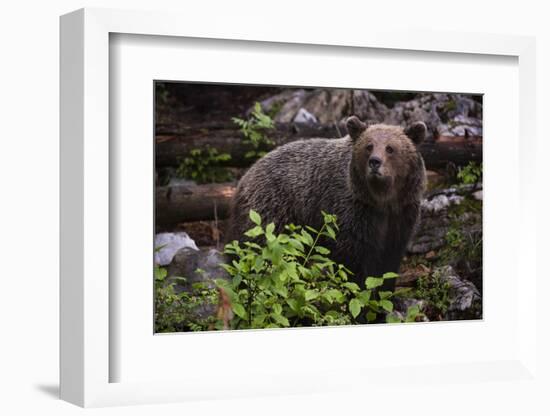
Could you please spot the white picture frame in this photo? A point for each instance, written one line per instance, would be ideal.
(86, 355)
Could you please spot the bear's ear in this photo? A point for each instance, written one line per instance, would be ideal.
(355, 127)
(416, 132)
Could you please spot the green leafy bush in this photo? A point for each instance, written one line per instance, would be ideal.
(288, 279)
(413, 315)
(461, 245)
(177, 311)
(435, 291)
(278, 280)
(454, 238)
(255, 131)
(204, 166)
(470, 174)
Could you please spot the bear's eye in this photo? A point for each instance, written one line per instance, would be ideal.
(369, 147)
(389, 149)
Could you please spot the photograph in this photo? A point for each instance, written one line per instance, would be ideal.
(303, 206)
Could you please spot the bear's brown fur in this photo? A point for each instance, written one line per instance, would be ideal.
(372, 180)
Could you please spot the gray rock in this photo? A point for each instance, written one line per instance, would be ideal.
(292, 98)
(440, 202)
(444, 114)
(197, 265)
(305, 117)
(367, 107)
(169, 244)
(434, 220)
(478, 195)
(326, 106)
(464, 296)
(290, 106)
(429, 241)
(329, 106)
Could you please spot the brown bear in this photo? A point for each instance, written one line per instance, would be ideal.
(372, 180)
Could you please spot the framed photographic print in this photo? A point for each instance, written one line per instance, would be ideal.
(301, 213)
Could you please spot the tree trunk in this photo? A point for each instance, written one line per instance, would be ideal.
(182, 203)
(175, 142)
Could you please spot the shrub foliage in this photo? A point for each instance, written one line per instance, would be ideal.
(282, 279)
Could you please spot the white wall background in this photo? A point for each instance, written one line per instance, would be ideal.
(29, 185)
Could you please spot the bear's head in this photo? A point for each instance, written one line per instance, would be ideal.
(386, 165)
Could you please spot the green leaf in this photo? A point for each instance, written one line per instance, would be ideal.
(413, 312)
(281, 291)
(354, 307)
(322, 250)
(294, 305)
(318, 258)
(255, 217)
(237, 280)
(392, 319)
(335, 294)
(280, 319)
(290, 268)
(239, 310)
(331, 232)
(283, 238)
(277, 309)
(252, 245)
(258, 320)
(297, 244)
(270, 228)
(305, 272)
(254, 232)
(311, 311)
(160, 273)
(258, 264)
(390, 275)
(311, 294)
(364, 297)
(385, 294)
(307, 239)
(373, 305)
(276, 252)
(283, 276)
(371, 316)
(352, 286)
(257, 108)
(386, 305)
(373, 282)
(343, 274)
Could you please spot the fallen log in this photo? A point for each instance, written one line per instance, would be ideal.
(459, 150)
(175, 142)
(172, 148)
(184, 203)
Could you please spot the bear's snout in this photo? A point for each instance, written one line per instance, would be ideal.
(375, 163)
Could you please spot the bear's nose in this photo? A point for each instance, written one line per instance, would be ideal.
(374, 162)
